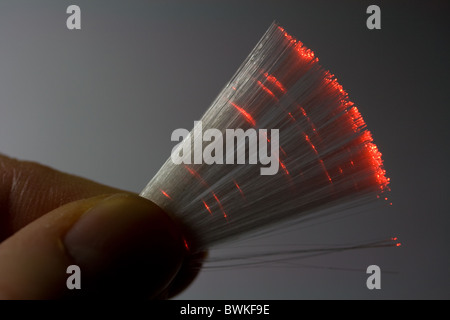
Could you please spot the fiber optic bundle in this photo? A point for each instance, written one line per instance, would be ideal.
(305, 149)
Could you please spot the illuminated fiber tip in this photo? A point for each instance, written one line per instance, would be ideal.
(303, 112)
(246, 115)
(310, 143)
(305, 53)
(287, 35)
(313, 127)
(338, 87)
(197, 176)
(186, 245)
(220, 205)
(398, 244)
(292, 117)
(358, 121)
(239, 188)
(283, 166)
(272, 79)
(372, 152)
(165, 194)
(207, 207)
(376, 162)
(325, 170)
(266, 89)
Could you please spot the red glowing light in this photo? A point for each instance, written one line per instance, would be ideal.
(292, 117)
(396, 244)
(371, 150)
(357, 120)
(207, 207)
(186, 245)
(197, 176)
(266, 89)
(305, 53)
(220, 205)
(275, 82)
(310, 143)
(287, 36)
(283, 166)
(246, 115)
(325, 169)
(165, 194)
(377, 164)
(309, 120)
(239, 188)
(303, 112)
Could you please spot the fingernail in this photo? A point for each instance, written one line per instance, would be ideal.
(126, 243)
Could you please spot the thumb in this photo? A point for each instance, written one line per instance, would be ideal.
(124, 245)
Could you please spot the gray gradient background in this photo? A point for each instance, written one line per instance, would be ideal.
(102, 102)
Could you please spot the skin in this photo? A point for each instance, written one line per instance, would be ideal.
(125, 246)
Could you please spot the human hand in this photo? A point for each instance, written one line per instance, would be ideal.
(125, 246)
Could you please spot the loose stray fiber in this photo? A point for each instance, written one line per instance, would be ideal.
(326, 158)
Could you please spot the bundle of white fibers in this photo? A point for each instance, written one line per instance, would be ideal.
(322, 158)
